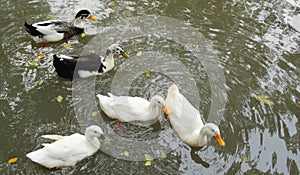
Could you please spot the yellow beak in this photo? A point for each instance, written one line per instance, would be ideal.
(219, 140)
(166, 110)
(124, 54)
(91, 17)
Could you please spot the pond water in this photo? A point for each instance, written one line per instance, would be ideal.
(224, 55)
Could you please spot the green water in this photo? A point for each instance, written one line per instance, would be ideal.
(251, 42)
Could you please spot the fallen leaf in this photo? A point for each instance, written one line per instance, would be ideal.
(83, 35)
(32, 63)
(106, 140)
(94, 114)
(139, 53)
(165, 40)
(147, 74)
(148, 157)
(62, 51)
(59, 98)
(126, 153)
(153, 81)
(244, 158)
(253, 108)
(12, 160)
(41, 82)
(163, 155)
(40, 56)
(54, 126)
(263, 98)
(209, 2)
(228, 71)
(298, 102)
(113, 4)
(148, 163)
(67, 46)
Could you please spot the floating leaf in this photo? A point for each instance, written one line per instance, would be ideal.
(148, 157)
(67, 46)
(298, 102)
(40, 56)
(113, 4)
(147, 74)
(227, 71)
(253, 108)
(126, 153)
(153, 81)
(83, 35)
(59, 98)
(94, 114)
(106, 140)
(163, 155)
(244, 158)
(148, 163)
(12, 160)
(165, 40)
(62, 51)
(209, 2)
(263, 98)
(139, 53)
(41, 82)
(54, 126)
(32, 63)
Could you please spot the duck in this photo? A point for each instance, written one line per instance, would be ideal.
(132, 109)
(91, 64)
(57, 30)
(185, 119)
(68, 150)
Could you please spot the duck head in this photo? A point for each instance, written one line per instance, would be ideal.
(116, 49)
(213, 130)
(160, 102)
(85, 14)
(94, 131)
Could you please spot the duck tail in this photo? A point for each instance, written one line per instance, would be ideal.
(32, 30)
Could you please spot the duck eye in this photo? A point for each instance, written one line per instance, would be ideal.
(95, 131)
(212, 130)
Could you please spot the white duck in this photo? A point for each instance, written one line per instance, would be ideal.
(131, 109)
(67, 150)
(186, 121)
(56, 30)
(90, 64)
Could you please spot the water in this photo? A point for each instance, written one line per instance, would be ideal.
(255, 44)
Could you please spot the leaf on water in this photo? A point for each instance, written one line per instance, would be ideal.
(83, 35)
(62, 51)
(227, 71)
(126, 153)
(165, 40)
(41, 82)
(54, 126)
(113, 4)
(12, 160)
(40, 56)
(148, 157)
(94, 114)
(32, 63)
(263, 98)
(153, 81)
(298, 102)
(253, 108)
(139, 53)
(59, 98)
(148, 163)
(67, 46)
(244, 158)
(106, 140)
(163, 155)
(209, 2)
(147, 74)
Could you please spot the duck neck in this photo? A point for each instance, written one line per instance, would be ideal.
(109, 60)
(94, 141)
(78, 22)
(203, 136)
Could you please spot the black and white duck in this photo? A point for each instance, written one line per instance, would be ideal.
(91, 64)
(56, 30)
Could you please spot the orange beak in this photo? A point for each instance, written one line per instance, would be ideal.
(219, 140)
(166, 110)
(91, 17)
(124, 54)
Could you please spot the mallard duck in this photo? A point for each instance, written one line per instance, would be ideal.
(90, 64)
(132, 109)
(187, 123)
(56, 30)
(68, 150)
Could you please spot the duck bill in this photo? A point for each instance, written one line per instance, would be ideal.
(166, 110)
(219, 140)
(91, 17)
(125, 55)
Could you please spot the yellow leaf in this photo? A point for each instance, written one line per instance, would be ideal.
(153, 81)
(32, 63)
(106, 140)
(12, 160)
(59, 98)
(163, 155)
(54, 126)
(67, 46)
(139, 53)
(62, 51)
(113, 3)
(126, 153)
(148, 163)
(253, 108)
(298, 102)
(263, 98)
(148, 157)
(94, 114)
(83, 35)
(147, 74)
(228, 71)
(40, 56)
(244, 158)
(165, 40)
